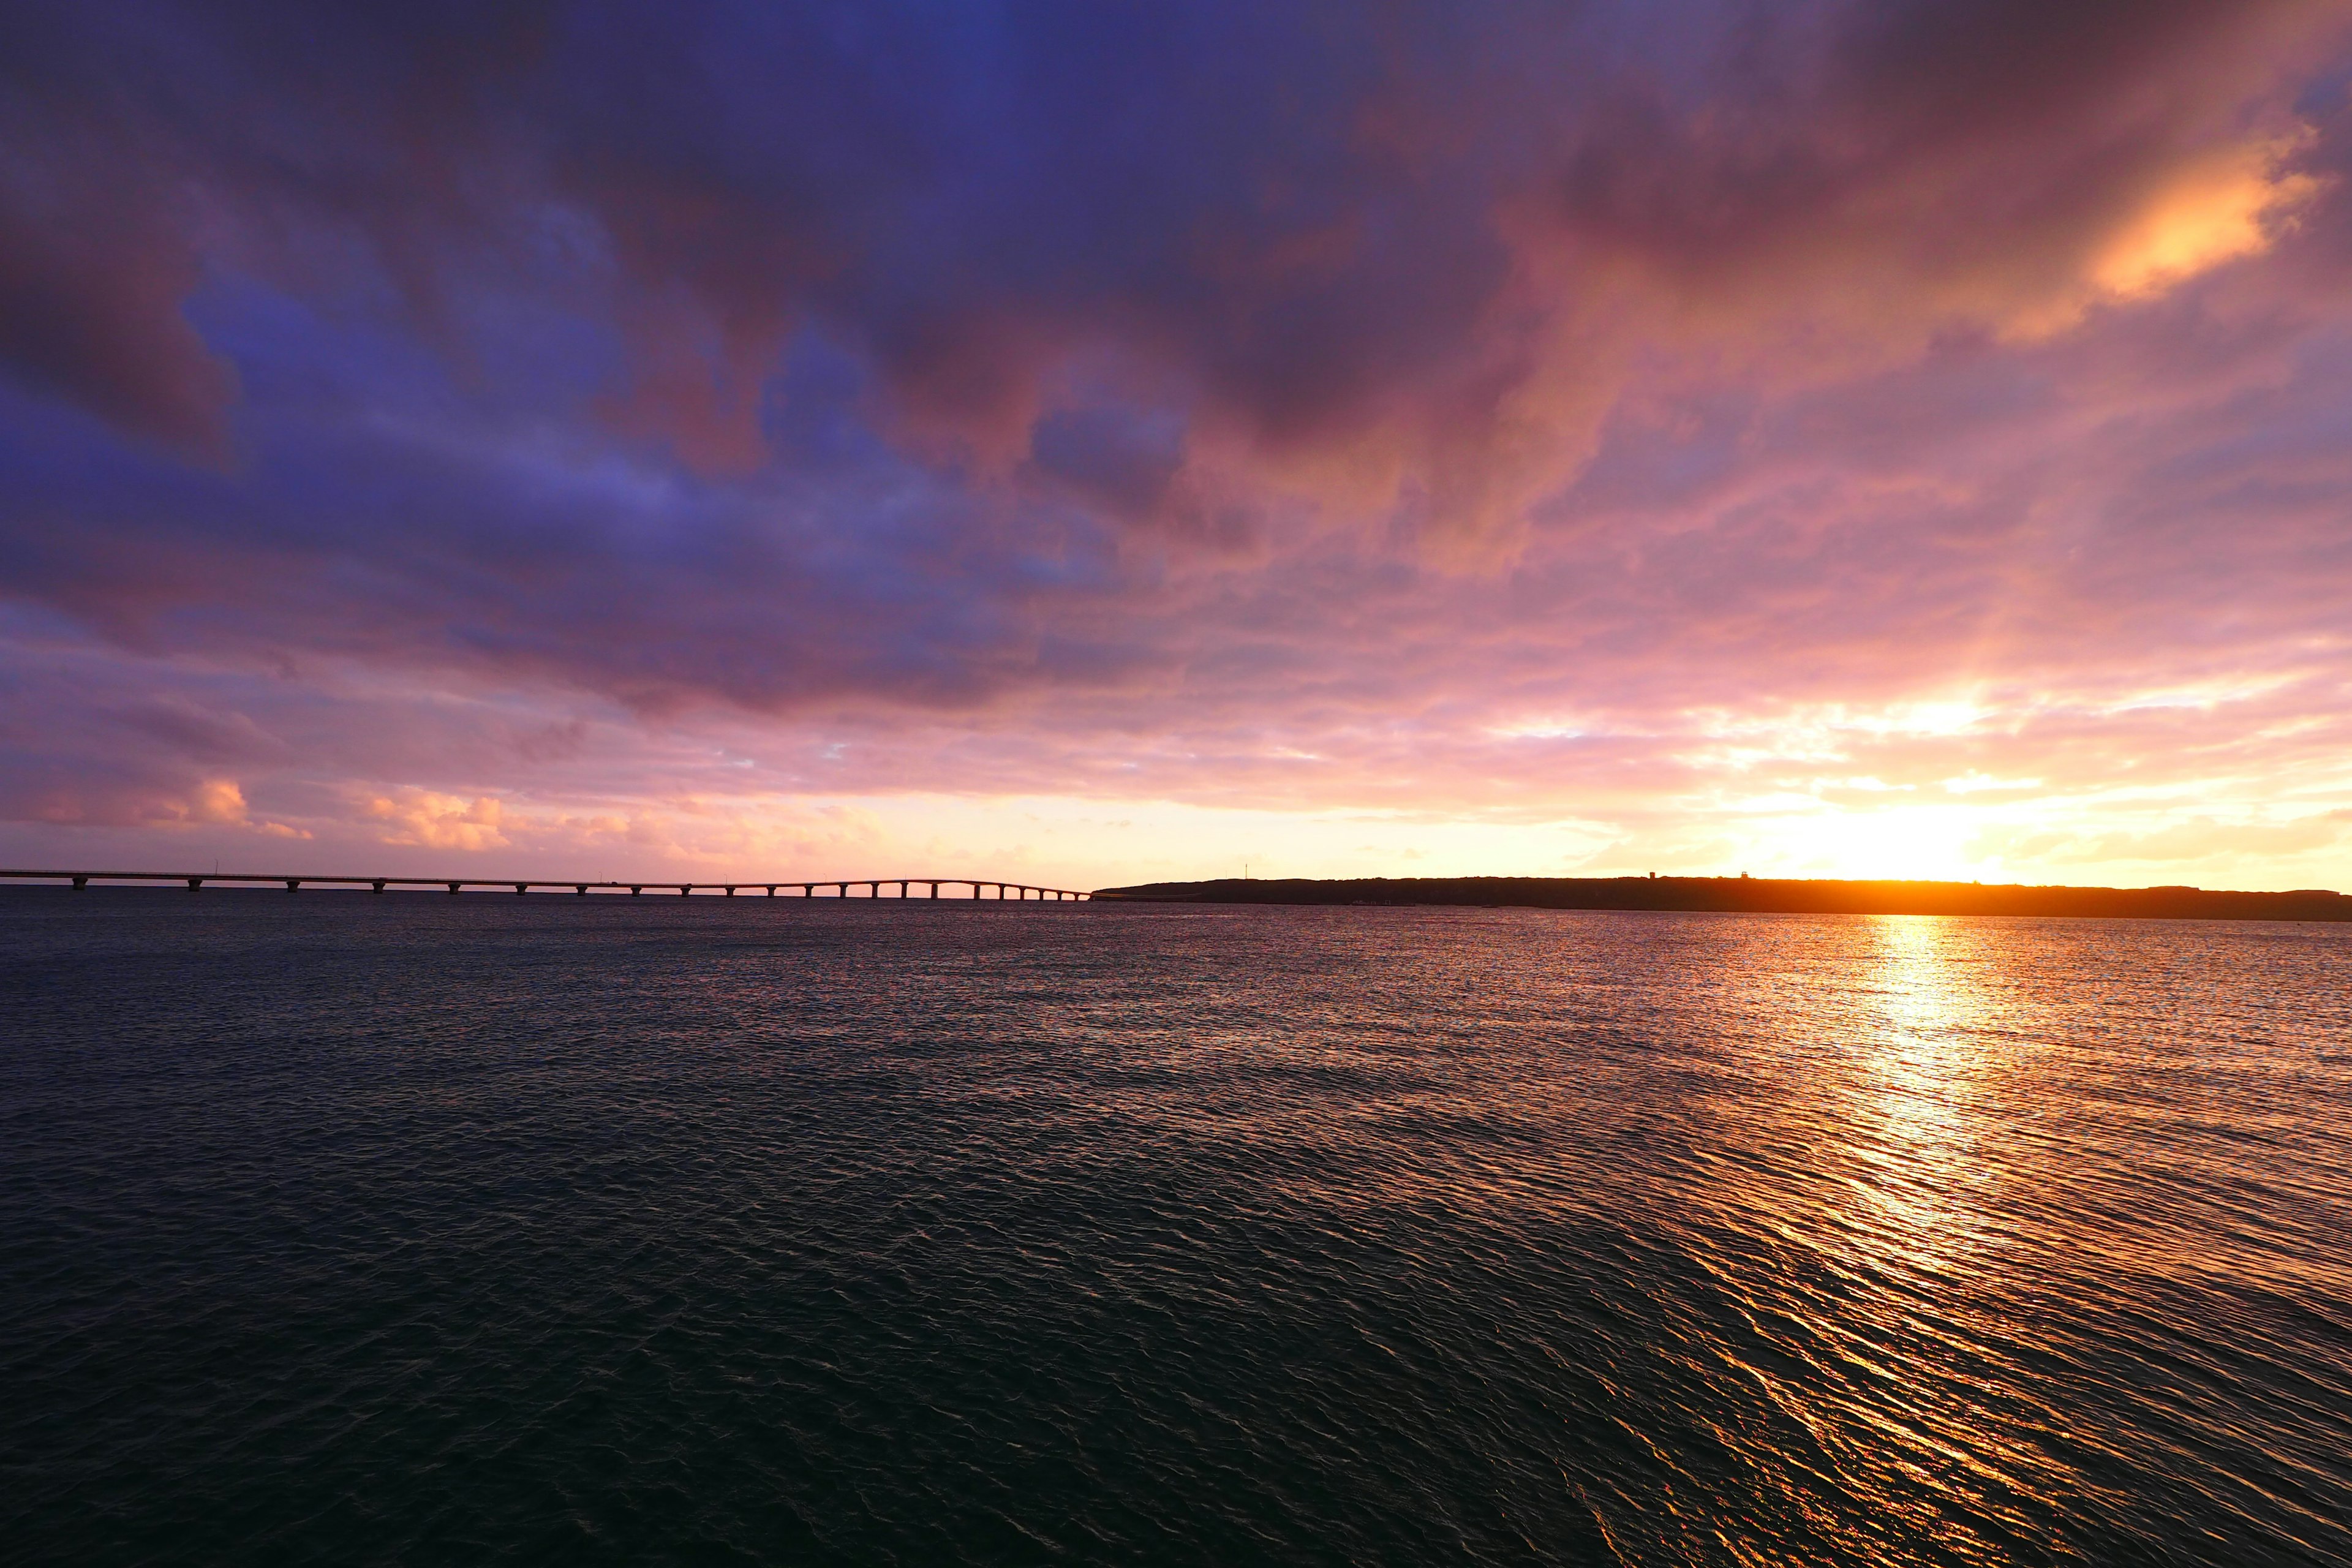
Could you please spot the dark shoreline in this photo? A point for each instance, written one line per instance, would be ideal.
(1743, 895)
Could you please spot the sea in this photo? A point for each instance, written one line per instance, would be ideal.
(349, 1229)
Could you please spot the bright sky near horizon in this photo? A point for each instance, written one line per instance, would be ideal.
(1093, 443)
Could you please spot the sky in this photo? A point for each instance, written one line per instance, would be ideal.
(1095, 443)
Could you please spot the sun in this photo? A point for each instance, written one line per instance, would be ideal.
(1890, 843)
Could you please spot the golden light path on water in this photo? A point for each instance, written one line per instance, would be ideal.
(1919, 1211)
(1913, 1157)
(1946, 1188)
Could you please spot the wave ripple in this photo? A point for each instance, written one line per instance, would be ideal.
(360, 1229)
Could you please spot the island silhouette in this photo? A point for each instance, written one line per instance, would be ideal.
(1755, 894)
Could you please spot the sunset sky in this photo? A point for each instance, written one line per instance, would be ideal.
(1094, 443)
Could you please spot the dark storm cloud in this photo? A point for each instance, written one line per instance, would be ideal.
(1289, 213)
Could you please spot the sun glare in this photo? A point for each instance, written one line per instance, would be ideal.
(1896, 842)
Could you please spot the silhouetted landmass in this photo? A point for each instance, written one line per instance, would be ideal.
(1743, 895)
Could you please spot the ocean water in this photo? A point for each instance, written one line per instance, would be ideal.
(355, 1229)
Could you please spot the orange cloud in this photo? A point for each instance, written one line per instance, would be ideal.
(2214, 209)
(439, 821)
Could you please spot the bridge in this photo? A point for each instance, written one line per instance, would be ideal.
(873, 886)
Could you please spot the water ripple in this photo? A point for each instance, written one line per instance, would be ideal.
(399, 1229)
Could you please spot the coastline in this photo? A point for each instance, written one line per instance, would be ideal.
(1758, 895)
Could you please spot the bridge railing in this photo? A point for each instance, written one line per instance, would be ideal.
(840, 888)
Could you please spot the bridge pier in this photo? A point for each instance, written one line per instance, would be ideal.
(79, 883)
(808, 889)
(581, 888)
(684, 889)
(194, 883)
(635, 892)
(731, 892)
(453, 887)
(520, 887)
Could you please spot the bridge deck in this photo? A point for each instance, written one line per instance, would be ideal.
(837, 887)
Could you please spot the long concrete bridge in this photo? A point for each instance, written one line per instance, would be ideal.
(873, 886)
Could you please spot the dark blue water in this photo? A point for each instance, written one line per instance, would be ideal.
(344, 1228)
